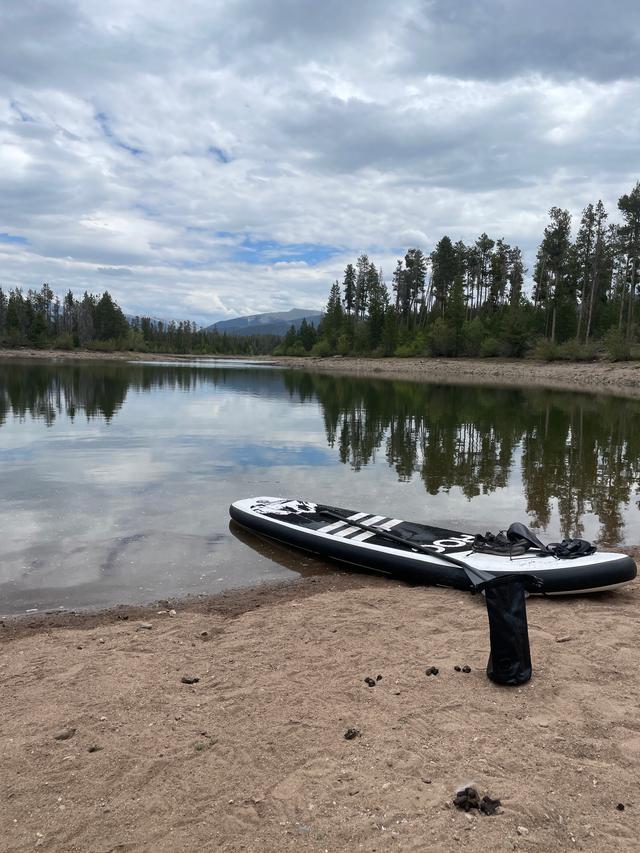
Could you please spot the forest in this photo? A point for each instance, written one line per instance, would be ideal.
(459, 300)
(40, 319)
(470, 300)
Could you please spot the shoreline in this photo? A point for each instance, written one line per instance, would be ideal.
(600, 377)
(622, 378)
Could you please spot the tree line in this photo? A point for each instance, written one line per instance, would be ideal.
(461, 299)
(470, 300)
(40, 319)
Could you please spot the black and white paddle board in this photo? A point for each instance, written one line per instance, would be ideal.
(314, 527)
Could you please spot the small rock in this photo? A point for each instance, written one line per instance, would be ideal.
(466, 668)
(172, 613)
(350, 734)
(144, 626)
(101, 640)
(94, 748)
(190, 679)
(468, 798)
(620, 807)
(458, 668)
(378, 678)
(543, 724)
(204, 633)
(64, 734)
(564, 639)
(432, 670)
(370, 681)
(80, 647)
(522, 830)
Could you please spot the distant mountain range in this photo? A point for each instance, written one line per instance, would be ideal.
(273, 323)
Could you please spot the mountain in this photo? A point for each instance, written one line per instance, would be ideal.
(273, 323)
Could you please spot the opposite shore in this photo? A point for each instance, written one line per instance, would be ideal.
(597, 377)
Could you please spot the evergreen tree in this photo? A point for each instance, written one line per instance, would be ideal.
(554, 256)
(360, 303)
(415, 275)
(331, 324)
(516, 277)
(445, 266)
(109, 321)
(349, 289)
(629, 206)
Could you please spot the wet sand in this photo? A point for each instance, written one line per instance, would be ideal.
(253, 756)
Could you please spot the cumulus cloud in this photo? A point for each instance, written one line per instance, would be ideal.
(223, 158)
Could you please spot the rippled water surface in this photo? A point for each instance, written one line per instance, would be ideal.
(115, 478)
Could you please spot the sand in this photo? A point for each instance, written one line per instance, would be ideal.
(253, 757)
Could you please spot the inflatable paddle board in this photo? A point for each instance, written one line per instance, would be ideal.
(418, 553)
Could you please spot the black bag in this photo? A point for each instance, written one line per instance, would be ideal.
(510, 658)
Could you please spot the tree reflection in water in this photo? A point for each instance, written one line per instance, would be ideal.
(579, 452)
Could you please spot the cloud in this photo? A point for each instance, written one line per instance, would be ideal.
(234, 158)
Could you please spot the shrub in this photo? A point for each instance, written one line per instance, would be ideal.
(473, 333)
(441, 339)
(617, 347)
(575, 351)
(63, 341)
(321, 349)
(545, 350)
(490, 348)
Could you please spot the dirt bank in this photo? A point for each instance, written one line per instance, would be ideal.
(604, 377)
(253, 756)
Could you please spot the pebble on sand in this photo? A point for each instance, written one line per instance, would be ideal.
(64, 734)
(144, 626)
(190, 679)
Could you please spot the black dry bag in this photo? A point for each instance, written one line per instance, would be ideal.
(510, 659)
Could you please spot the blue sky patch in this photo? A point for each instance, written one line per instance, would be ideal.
(252, 251)
(219, 154)
(105, 126)
(12, 238)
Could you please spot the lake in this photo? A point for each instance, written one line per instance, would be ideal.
(116, 478)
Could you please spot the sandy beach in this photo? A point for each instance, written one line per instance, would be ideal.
(106, 748)
(253, 756)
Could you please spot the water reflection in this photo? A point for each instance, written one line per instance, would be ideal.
(117, 477)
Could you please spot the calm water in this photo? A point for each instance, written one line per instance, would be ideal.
(115, 479)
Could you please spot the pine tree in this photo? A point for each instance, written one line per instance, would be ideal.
(349, 289)
(629, 206)
(333, 316)
(415, 274)
(360, 303)
(553, 266)
(444, 269)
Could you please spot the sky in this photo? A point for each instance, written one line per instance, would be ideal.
(206, 159)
